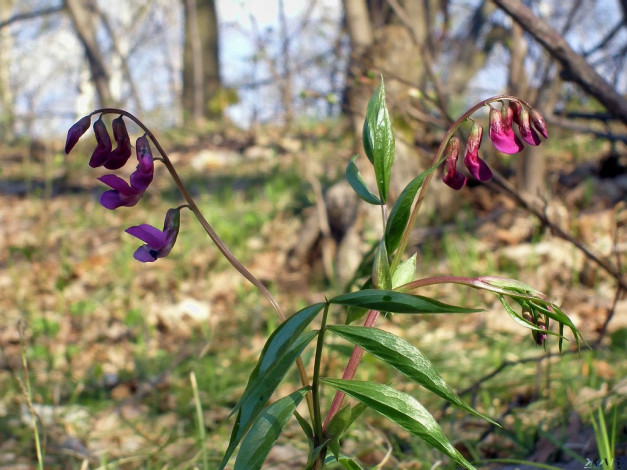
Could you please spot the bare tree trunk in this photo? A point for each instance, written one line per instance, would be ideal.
(193, 91)
(530, 165)
(201, 65)
(7, 115)
(575, 67)
(286, 66)
(83, 15)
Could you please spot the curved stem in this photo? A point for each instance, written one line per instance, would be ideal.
(213, 235)
(437, 161)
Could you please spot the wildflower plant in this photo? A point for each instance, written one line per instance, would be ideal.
(392, 287)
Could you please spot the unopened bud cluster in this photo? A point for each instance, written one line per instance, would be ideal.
(159, 243)
(503, 137)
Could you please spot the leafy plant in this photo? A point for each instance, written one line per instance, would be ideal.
(391, 288)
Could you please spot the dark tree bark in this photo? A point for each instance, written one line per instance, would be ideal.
(575, 68)
(83, 16)
(201, 65)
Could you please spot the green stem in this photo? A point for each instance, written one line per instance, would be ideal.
(315, 389)
(437, 161)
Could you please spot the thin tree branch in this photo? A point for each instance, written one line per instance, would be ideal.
(575, 67)
(557, 231)
(29, 15)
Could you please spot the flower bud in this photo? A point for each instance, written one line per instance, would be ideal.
(538, 123)
(102, 151)
(142, 176)
(120, 155)
(451, 176)
(516, 110)
(524, 127)
(477, 167)
(75, 133)
(538, 336)
(501, 132)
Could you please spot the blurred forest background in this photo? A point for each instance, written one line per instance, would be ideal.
(261, 105)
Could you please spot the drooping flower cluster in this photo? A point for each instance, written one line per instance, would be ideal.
(122, 193)
(503, 137)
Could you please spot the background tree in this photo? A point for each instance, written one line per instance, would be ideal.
(84, 18)
(201, 63)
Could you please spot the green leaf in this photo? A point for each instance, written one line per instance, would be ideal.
(260, 389)
(405, 358)
(280, 351)
(266, 430)
(402, 409)
(381, 277)
(396, 302)
(405, 272)
(399, 215)
(358, 184)
(339, 424)
(349, 464)
(378, 140)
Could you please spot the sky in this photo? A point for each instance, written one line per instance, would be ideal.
(48, 63)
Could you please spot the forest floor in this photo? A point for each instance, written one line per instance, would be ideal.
(99, 350)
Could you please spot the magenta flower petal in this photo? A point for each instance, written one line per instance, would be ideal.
(538, 123)
(526, 132)
(122, 152)
(102, 151)
(501, 133)
(451, 176)
(142, 176)
(159, 243)
(75, 132)
(477, 167)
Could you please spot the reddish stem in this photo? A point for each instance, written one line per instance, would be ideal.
(349, 372)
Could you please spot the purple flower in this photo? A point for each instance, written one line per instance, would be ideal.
(122, 193)
(75, 133)
(122, 152)
(451, 176)
(501, 132)
(477, 167)
(102, 151)
(142, 176)
(159, 243)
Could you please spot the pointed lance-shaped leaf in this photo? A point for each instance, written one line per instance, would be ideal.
(402, 409)
(405, 358)
(378, 140)
(399, 215)
(266, 430)
(356, 181)
(396, 302)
